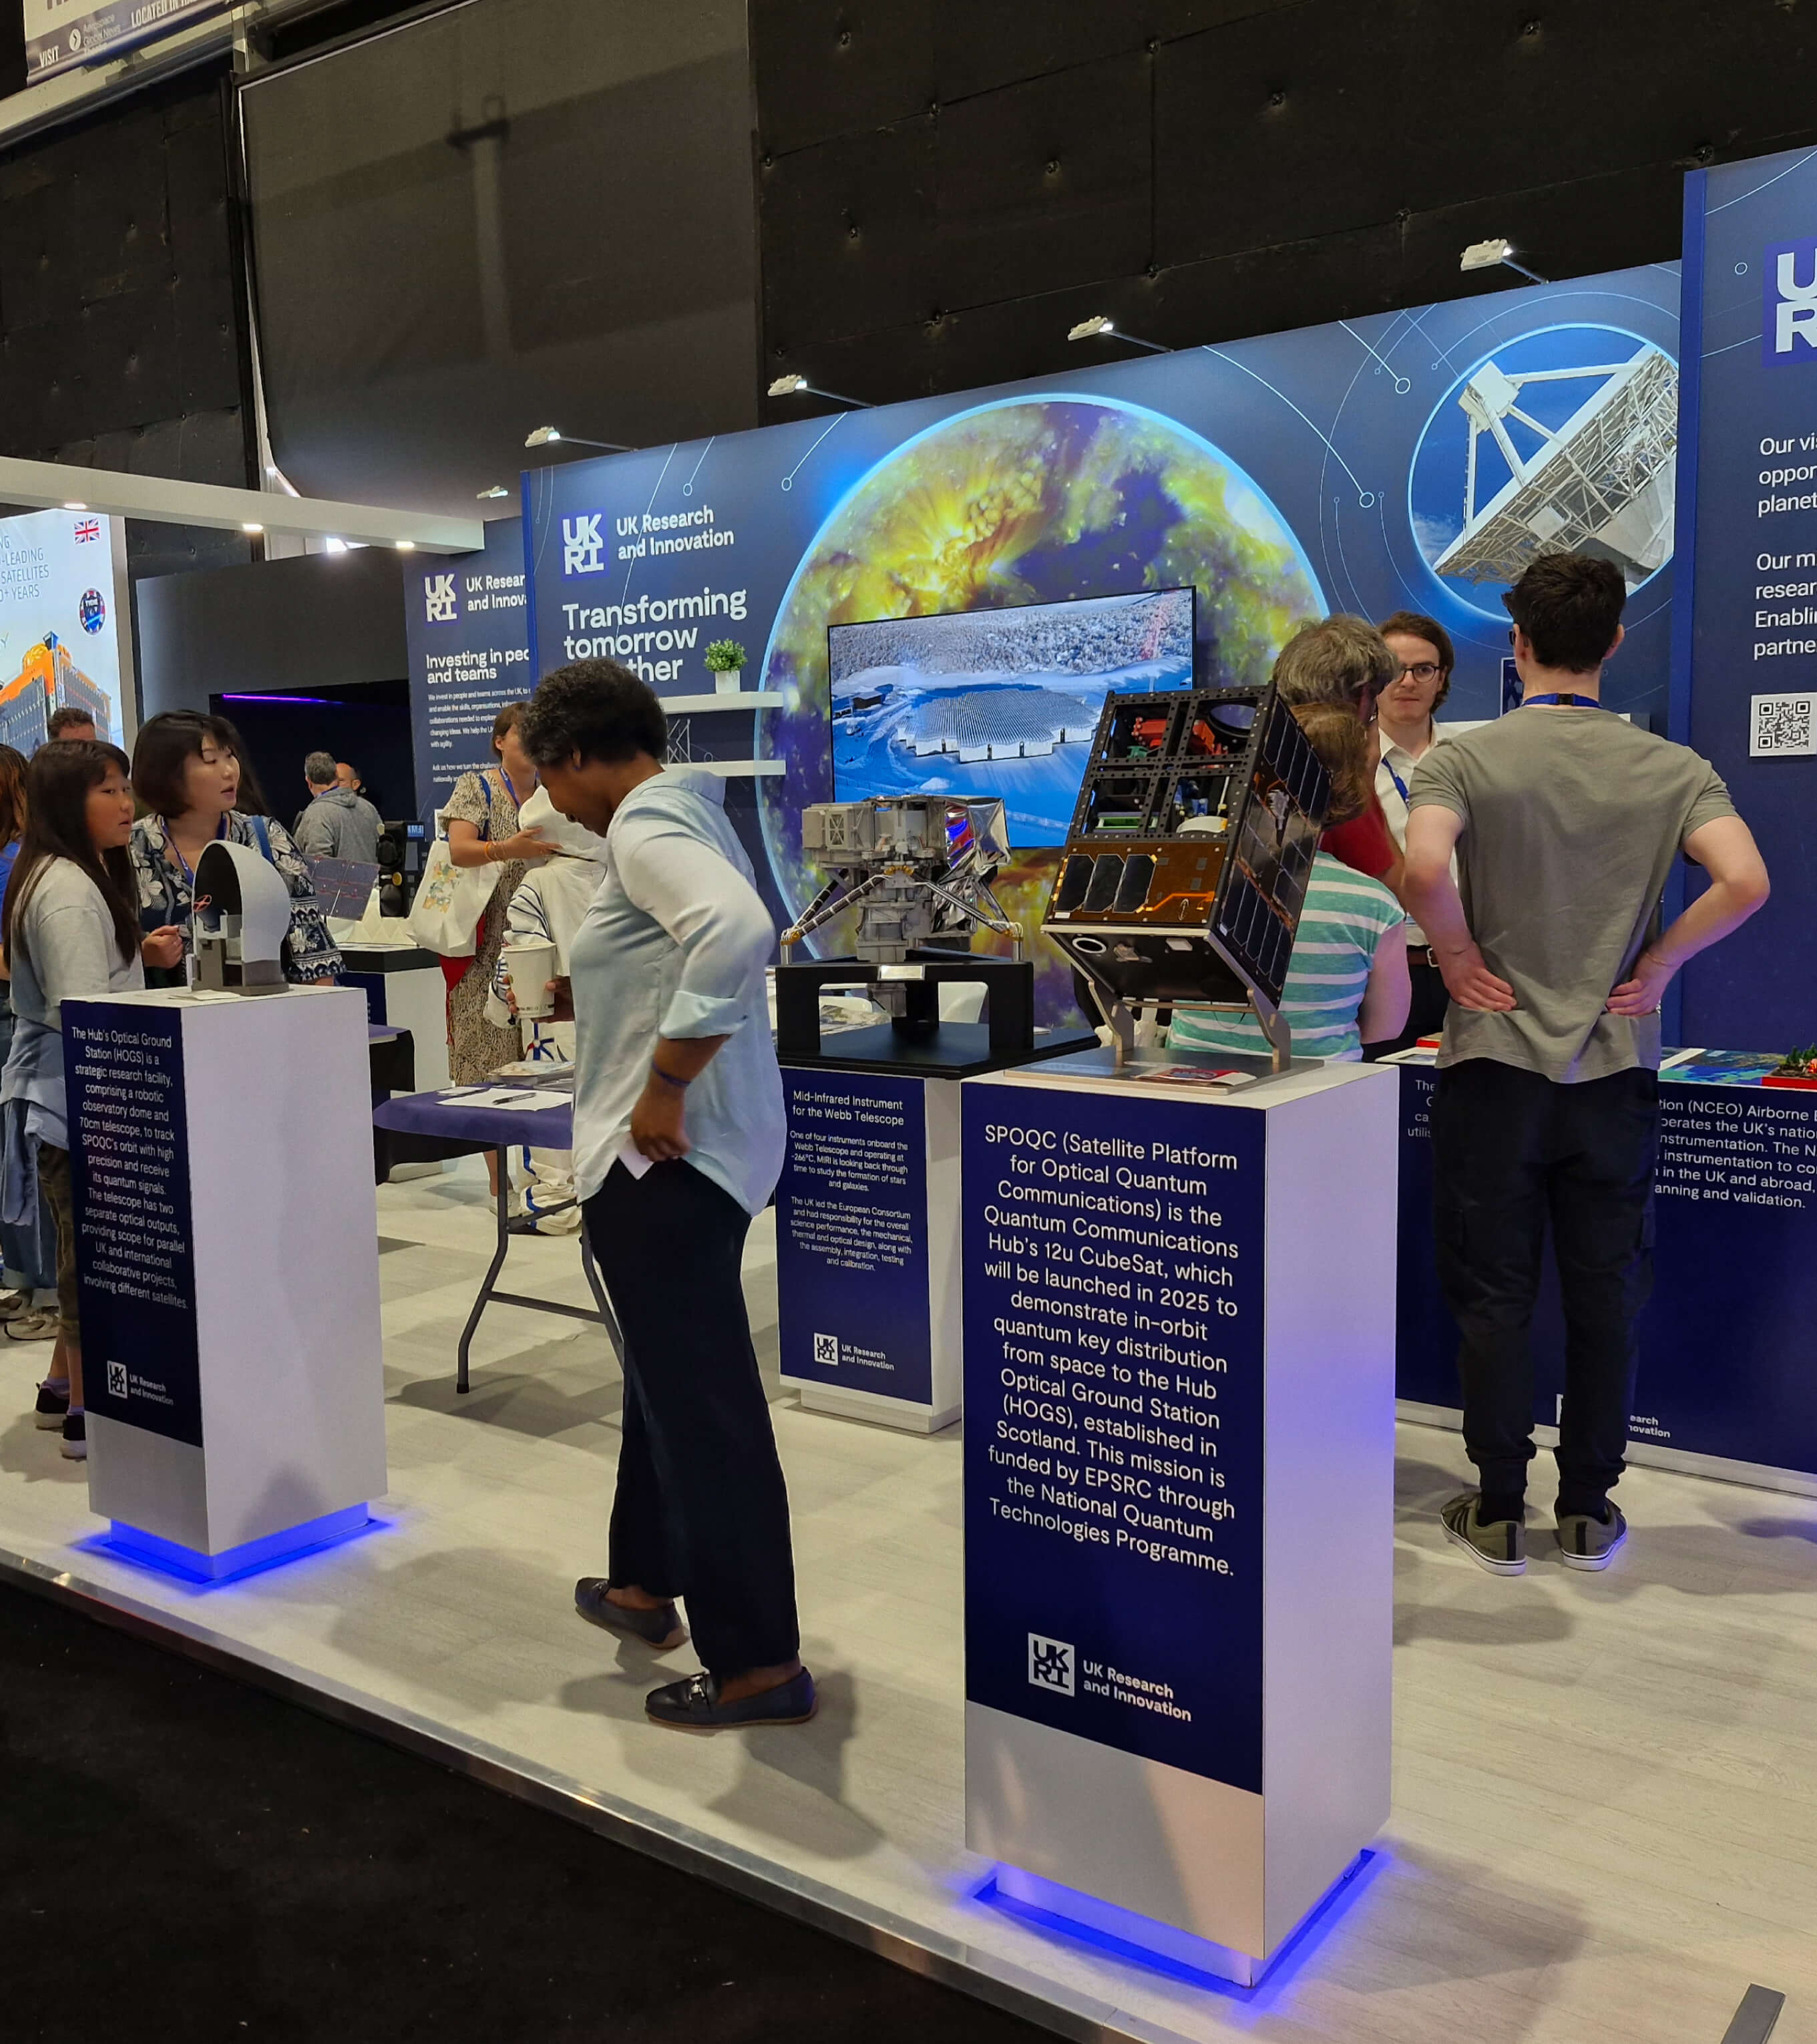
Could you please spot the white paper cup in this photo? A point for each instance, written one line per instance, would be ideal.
(530, 967)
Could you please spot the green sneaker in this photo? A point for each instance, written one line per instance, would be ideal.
(1499, 1546)
(1584, 1542)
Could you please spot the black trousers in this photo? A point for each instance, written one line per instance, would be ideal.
(701, 1510)
(1510, 1150)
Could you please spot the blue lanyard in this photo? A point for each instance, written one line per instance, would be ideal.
(1569, 702)
(1399, 785)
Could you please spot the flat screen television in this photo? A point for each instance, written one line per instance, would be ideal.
(996, 702)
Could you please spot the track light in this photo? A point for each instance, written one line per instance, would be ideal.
(1102, 323)
(253, 529)
(1495, 254)
(793, 386)
(548, 436)
(497, 489)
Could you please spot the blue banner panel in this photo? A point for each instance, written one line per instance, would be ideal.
(467, 624)
(1725, 1342)
(1341, 467)
(1113, 1257)
(1746, 647)
(130, 1166)
(851, 1235)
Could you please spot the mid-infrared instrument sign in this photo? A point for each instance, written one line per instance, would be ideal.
(62, 33)
(1113, 1360)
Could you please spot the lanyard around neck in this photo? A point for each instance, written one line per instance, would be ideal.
(170, 840)
(1566, 701)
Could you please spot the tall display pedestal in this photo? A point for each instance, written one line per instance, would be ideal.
(1179, 1383)
(867, 1245)
(229, 1246)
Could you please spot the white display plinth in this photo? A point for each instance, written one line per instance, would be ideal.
(867, 1245)
(1179, 1357)
(228, 1244)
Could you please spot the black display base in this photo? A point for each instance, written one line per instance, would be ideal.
(1010, 983)
(958, 1050)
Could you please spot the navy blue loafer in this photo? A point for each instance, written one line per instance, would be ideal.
(694, 1705)
(662, 1628)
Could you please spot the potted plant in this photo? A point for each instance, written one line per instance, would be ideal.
(1797, 1068)
(725, 663)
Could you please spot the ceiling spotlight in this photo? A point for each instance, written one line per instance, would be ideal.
(793, 386)
(497, 489)
(252, 528)
(1102, 323)
(1495, 254)
(406, 546)
(333, 546)
(75, 507)
(546, 436)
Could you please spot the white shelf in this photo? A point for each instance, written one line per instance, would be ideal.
(698, 705)
(736, 770)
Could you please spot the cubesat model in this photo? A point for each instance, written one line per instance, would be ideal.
(241, 916)
(1190, 850)
(916, 870)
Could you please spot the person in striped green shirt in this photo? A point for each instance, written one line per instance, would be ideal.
(1347, 982)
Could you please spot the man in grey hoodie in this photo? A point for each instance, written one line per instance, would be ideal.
(337, 824)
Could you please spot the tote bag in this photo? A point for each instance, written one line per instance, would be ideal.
(445, 915)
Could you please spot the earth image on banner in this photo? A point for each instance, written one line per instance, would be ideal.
(1025, 500)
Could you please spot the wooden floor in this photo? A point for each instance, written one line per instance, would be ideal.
(1605, 1819)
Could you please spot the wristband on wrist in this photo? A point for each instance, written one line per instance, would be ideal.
(669, 1078)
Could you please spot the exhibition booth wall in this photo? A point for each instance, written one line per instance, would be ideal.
(1277, 478)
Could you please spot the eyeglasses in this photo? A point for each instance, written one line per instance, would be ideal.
(1424, 671)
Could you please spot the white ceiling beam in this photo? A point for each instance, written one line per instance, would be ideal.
(49, 484)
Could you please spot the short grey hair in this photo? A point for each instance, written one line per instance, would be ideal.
(318, 769)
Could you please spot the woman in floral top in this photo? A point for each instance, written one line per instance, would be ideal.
(187, 771)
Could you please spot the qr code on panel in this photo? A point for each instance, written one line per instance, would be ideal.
(1783, 727)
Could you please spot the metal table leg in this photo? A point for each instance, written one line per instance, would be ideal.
(599, 1314)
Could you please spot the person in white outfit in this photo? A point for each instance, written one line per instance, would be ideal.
(548, 908)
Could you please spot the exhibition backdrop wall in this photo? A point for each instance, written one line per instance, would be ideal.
(1747, 618)
(1329, 469)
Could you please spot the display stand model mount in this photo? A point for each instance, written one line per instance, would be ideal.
(917, 872)
(1190, 851)
(241, 915)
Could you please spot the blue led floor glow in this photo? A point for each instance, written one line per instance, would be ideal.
(233, 1565)
(1279, 1971)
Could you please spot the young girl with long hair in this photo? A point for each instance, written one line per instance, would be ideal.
(71, 928)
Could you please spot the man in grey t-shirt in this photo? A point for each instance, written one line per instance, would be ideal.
(1565, 822)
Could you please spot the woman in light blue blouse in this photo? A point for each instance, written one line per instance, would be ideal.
(679, 1133)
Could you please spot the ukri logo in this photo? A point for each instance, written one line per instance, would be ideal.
(1788, 316)
(583, 551)
(440, 605)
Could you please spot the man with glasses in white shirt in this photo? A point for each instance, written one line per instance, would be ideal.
(1406, 730)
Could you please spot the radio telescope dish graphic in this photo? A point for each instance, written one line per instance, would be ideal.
(1602, 482)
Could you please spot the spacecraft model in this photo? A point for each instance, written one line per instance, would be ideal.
(1603, 483)
(916, 870)
(916, 867)
(1188, 860)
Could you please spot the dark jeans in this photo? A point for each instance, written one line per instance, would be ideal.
(1510, 1150)
(701, 1511)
